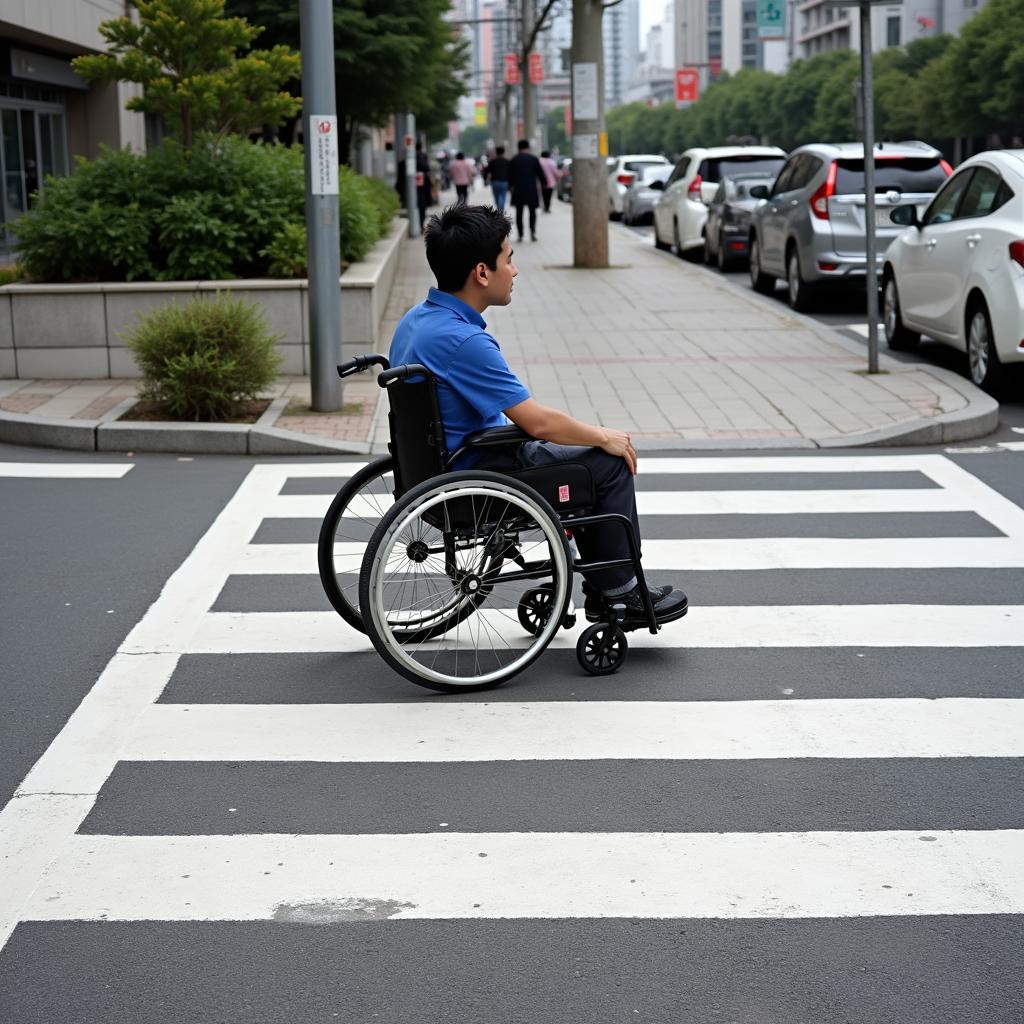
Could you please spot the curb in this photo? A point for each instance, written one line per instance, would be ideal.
(978, 418)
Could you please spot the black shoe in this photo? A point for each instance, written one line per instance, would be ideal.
(668, 604)
(533, 236)
(520, 238)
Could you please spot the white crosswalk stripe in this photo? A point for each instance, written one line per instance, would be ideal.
(63, 874)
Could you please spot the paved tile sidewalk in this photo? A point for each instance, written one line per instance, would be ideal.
(666, 350)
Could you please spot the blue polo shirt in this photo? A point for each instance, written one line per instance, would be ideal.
(474, 383)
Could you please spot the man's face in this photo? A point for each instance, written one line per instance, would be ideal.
(499, 280)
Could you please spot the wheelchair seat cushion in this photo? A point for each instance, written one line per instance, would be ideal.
(567, 486)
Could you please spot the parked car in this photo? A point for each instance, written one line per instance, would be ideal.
(956, 273)
(563, 188)
(812, 230)
(681, 212)
(622, 172)
(638, 202)
(728, 224)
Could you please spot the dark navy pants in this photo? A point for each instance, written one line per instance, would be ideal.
(613, 484)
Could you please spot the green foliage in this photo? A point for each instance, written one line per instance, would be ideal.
(230, 208)
(389, 55)
(473, 139)
(185, 54)
(201, 359)
(555, 123)
(11, 275)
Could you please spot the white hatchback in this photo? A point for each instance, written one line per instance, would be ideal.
(681, 212)
(957, 272)
(623, 171)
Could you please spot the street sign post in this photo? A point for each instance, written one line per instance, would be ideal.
(687, 85)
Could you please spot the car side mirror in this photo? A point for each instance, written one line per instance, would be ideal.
(759, 192)
(905, 216)
(657, 185)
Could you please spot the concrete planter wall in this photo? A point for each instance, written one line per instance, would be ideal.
(75, 330)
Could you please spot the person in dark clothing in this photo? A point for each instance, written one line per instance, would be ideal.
(496, 176)
(424, 198)
(526, 179)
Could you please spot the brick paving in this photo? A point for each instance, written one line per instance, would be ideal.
(668, 351)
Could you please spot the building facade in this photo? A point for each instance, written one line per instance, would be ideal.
(48, 115)
(621, 31)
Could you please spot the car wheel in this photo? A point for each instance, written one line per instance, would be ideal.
(898, 338)
(613, 214)
(709, 256)
(722, 254)
(798, 291)
(759, 281)
(982, 360)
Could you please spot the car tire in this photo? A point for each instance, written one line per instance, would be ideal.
(709, 256)
(897, 337)
(722, 260)
(658, 243)
(798, 291)
(983, 365)
(759, 280)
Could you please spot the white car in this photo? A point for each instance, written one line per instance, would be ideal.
(681, 212)
(957, 272)
(622, 172)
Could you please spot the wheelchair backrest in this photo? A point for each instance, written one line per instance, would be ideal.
(417, 433)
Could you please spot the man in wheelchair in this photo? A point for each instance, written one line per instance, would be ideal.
(470, 256)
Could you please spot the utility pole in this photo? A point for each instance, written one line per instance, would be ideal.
(869, 181)
(412, 205)
(589, 141)
(323, 249)
(529, 93)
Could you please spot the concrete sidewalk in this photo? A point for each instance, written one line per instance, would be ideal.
(673, 353)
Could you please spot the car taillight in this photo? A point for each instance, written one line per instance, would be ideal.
(1017, 252)
(625, 179)
(946, 166)
(819, 201)
(693, 192)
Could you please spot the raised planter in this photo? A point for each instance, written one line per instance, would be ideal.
(62, 331)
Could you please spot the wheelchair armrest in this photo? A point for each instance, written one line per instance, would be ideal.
(510, 434)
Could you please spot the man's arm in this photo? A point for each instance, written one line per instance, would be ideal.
(547, 424)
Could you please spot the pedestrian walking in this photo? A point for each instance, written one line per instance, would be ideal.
(424, 197)
(497, 176)
(525, 179)
(551, 175)
(462, 172)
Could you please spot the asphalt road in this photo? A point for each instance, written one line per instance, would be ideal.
(844, 310)
(230, 754)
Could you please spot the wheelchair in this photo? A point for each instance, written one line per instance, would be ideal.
(462, 578)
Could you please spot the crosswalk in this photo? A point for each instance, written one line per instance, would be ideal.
(239, 681)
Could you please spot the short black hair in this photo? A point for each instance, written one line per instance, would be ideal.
(545, 152)
(460, 237)
(499, 151)
(460, 156)
(524, 143)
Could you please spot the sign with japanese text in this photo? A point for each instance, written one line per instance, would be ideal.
(323, 154)
(687, 85)
(584, 91)
(536, 68)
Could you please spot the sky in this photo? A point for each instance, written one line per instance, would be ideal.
(650, 12)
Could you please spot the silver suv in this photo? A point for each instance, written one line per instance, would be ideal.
(810, 227)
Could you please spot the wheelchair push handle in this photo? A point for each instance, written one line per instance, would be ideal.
(361, 363)
(403, 372)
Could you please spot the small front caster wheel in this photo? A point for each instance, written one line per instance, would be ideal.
(601, 649)
(568, 620)
(535, 608)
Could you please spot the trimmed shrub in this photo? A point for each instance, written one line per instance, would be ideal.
(230, 208)
(200, 360)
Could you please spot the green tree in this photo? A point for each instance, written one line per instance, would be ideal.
(554, 121)
(473, 139)
(793, 103)
(389, 55)
(187, 56)
(834, 107)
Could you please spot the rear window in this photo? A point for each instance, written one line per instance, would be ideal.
(636, 166)
(715, 170)
(907, 174)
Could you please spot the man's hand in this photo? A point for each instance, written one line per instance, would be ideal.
(617, 442)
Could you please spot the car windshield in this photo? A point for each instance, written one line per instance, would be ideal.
(715, 170)
(739, 188)
(903, 174)
(656, 172)
(636, 166)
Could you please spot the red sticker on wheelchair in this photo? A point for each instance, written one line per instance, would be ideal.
(563, 492)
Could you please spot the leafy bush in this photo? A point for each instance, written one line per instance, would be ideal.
(230, 208)
(201, 359)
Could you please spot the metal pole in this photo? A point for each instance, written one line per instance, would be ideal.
(868, 100)
(529, 95)
(589, 144)
(411, 204)
(323, 249)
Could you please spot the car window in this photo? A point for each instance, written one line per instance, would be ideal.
(1003, 196)
(807, 167)
(901, 174)
(656, 172)
(680, 171)
(714, 169)
(943, 206)
(740, 187)
(639, 165)
(720, 194)
(980, 196)
(783, 180)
